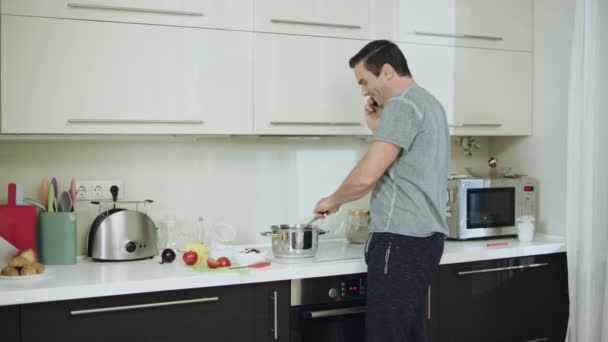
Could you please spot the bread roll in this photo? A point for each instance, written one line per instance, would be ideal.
(19, 261)
(10, 271)
(28, 270)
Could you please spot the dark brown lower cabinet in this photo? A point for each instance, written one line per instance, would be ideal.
(515, 300)
(9, 324)
(209, 314)
(271, 303)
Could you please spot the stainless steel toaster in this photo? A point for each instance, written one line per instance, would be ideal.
(120, 234)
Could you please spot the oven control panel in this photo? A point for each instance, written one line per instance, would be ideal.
(351, 287)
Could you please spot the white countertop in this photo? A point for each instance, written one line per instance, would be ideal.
(96, 279)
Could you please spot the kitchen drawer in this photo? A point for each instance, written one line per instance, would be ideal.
(225, 14)
(504, 300)
(92, 77)
(493, 24)
(9, 323)
(209, 314)
(272, 311)
(365, 19)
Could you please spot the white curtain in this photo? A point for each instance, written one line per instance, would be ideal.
(587, 175)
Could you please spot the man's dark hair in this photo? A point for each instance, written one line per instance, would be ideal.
(378, 53)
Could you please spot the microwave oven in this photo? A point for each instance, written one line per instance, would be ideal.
(479, 208)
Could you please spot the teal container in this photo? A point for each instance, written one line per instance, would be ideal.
(57, 238)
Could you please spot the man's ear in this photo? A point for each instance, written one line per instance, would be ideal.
(387, 71)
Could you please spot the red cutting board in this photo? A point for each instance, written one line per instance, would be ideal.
(18, 222)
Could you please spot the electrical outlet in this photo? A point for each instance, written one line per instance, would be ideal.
(97, 190)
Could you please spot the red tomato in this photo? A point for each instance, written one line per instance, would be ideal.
(190, 257)
(224, 262)
(212, 263)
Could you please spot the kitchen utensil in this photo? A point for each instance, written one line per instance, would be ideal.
(73, 192)
(256, 265)
(34, 202)
(65, 202)
(314, 219)
(294, 240)
(18, 222)
(45, 191)
(50, 206)
(57, 238)
(120, 234)
(488, 172)
(55, 189)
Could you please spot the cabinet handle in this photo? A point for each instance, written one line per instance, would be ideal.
(143, 306)
(275, 303)
(542, 339)
(474, 125)
(313, 23)
(315, 123)
(509, 268)
(135, 121)
(455, 35)
(133, 9)
(335, 312)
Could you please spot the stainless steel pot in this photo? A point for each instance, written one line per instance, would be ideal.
(294, 240)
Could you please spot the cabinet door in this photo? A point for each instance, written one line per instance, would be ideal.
(303, 85)
(367, 19)
(518, 299)
(71, 76)
(495, 24)
(211, 314)
(10, 323)
(225, 14)
(271, 301)
(484, 92)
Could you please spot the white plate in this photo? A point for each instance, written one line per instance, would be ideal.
(44, 275)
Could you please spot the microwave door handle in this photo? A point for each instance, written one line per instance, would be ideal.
(334, 312)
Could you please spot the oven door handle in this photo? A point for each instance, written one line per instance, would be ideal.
(334, 312)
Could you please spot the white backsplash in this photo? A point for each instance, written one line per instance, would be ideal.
(249, 183)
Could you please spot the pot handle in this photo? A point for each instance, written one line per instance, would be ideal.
(322, 232)
(269, 234)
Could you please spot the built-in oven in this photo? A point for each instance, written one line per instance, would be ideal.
(328, 309)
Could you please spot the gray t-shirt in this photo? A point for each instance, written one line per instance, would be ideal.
(410, 197)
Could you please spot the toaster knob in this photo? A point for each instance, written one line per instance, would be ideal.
(131, 246)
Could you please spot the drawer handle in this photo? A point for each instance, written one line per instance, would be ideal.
(313, 23)
(456, 35)
(133, 9)
(143, 306)
(474, 125)
(335, 312)
(134, 121)
(428, 310)
(509, 268)
(275, 303)
(542, 339)
(315, 123)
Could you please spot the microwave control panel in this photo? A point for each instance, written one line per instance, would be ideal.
(528, 203)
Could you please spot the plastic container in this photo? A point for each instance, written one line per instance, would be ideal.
(525, 228)
(357, 225)
(57, 238)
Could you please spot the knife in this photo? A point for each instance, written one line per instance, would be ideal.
(256, 265)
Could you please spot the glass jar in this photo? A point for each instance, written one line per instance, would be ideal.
(357, 225)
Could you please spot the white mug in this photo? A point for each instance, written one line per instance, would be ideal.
(525, 228)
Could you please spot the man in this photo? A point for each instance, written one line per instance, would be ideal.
(407, 167)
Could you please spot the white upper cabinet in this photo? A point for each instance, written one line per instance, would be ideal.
(366, 19)
(75, 77)
(224, 14)
(484, 92)
(495, 24)
(304, 86)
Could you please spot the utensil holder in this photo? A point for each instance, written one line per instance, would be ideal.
(57, 238)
